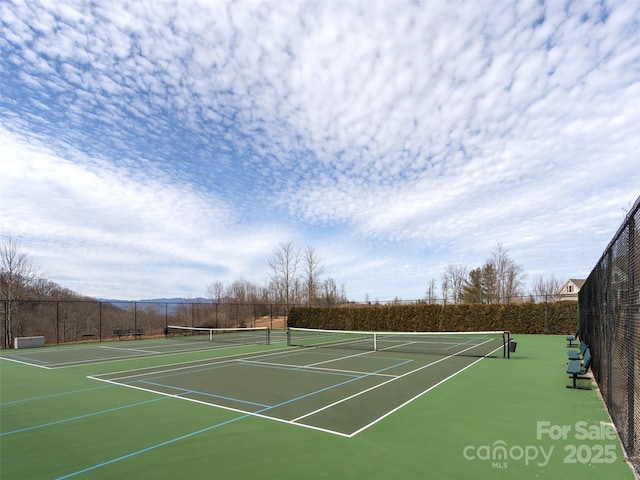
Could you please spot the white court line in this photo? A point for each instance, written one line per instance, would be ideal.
(122, 349)
(353, 434)
(313, 366)
(25, 363)
(307, 367)
(389, 381)
(369, 389)
(82, 363)
(186, 365)
(341, 358)
(224, 407)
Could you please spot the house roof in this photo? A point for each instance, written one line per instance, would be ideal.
(578, 282)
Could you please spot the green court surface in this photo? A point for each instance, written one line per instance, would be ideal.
(161, 409)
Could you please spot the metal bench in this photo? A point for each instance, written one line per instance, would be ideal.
(128, 332)
(577, 369)
(578, 354)
(572, 338)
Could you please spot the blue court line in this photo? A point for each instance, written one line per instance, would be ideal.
(187, 372)
(152, 447)
(79, 417)
(25, 359)
(299, 368)
(354, 377)
(187, 391)
(31, 399)
(330, 387)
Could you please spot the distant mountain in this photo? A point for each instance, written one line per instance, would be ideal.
(158, 300)
(176, 300)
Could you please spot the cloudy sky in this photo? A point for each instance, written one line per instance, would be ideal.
(148, 149)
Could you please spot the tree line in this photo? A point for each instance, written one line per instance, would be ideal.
(296, 277)
(20, 280)
(499, 280)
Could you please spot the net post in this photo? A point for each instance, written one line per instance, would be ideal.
(508, 346)
(288, 338)
(268, 336)
(211, 335)
(375, 342)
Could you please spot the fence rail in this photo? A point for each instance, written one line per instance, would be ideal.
(609, 318)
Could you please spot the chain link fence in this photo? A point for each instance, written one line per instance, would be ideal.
(73, 321)
(609, 319)
(68, 321)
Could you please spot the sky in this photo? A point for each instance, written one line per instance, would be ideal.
(149, 149)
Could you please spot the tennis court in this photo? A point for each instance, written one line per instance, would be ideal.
(183, 340)
(331, 388)
(322, 389)
(405, 406)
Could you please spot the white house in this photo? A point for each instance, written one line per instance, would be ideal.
(570, 289)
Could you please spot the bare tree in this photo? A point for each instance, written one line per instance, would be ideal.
(215, 291)
(331, 295)
(499, 280)
(431, 291)
(312, 271)
(242, 291)
(16, 274)
(445, 288)
(454, 278)
(342, 296)
(545, 288)
(509, 276)
(243, 295)
(284, 267)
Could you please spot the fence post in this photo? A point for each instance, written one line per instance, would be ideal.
(546, 315)
(57, 322)
(608, 327)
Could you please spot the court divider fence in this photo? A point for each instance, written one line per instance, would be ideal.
(609, 321)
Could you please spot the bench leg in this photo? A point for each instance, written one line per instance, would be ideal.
(575, 385)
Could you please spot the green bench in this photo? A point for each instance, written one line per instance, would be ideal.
(572, 338)
(578, 354)
(577, 369)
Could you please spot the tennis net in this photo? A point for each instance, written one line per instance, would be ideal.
(246, 336)
(474, 344)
